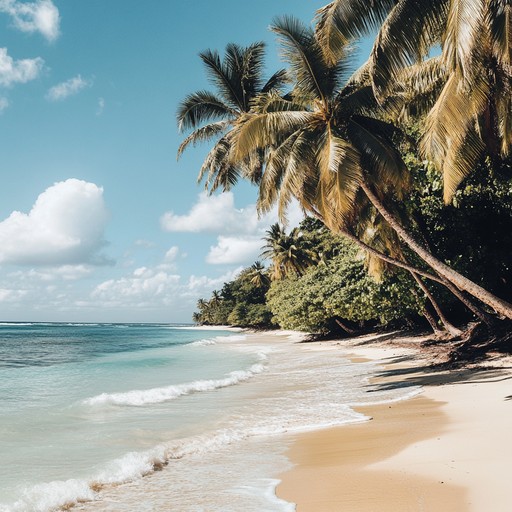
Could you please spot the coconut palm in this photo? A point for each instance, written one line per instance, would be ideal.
(211, 115)
(258, 275)
(289, 253)
(325, 144)
(472, 114)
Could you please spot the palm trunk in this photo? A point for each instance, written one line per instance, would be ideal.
(348, 330)
(501, 306)
(446, 323)
(429, 317)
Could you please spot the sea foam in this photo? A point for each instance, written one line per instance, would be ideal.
(142, 397)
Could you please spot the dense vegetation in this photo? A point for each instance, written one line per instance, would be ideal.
(405, 164)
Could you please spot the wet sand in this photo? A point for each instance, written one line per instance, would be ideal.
(447, 450)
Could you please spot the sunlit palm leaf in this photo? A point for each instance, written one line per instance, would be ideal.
(405, 38)
(500, 23)
(464, 23)
(263, 130)
(342, 21)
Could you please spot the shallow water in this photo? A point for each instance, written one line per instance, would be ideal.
(88, 410)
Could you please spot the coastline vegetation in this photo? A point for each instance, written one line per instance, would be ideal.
(403, 167)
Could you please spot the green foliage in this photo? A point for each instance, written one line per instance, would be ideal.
(340, 289)
(241, 302)
(473, 234)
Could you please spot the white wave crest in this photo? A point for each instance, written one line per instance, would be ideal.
(164, 394)
(203, 343)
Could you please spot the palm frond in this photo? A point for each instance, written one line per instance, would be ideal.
(244, 67)
(304, 55)
(461, 158)
(201, 107)
(450, 139)
(500, 24)
(202, 134)
(380, 160)
(263, 130)
(342, 21)
(405, 38)
(224, 77)
(464, 22)
(339, 178)
(276, 81)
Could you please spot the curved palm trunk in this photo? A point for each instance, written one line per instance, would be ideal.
(446, 323)
(348, 330)
(501, 306)
(484, 317)
(429, 317)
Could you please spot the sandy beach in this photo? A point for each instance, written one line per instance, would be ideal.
(447, 449)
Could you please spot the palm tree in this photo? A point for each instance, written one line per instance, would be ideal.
(325, 143)
(211, 115)
(472, 110)
(289, 253)
(258, 275)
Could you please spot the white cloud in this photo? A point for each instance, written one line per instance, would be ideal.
(18, 71)
(143, 288)
(213, 214)
(217, 214)
(4, 103)
(172, 254)
(239, 231)
(64, 227)
(101, 106)
(235, 250)
(68, 88)
(62, 273)
(154, 288)
(40, 16)
(11, 295)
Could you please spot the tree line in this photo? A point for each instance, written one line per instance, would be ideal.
(405, 160)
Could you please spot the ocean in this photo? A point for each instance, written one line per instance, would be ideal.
(145, 417)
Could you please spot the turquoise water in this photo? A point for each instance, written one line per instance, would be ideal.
(86, 411)
(74, 398)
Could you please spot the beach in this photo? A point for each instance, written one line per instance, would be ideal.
(224, 421)
(447, 449)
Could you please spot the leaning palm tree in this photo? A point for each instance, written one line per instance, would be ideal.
(472, 112)
(238, 79)
(325, 142)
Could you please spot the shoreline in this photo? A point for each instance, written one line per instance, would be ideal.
(435, 451)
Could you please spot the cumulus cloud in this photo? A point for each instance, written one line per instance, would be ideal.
(18, 71)
(155, 288)
(40, 16)
(4, 103)
(218, 214)
(145, 286)
(213, 214)
(64, 227)
(239, 231)
(234, 250)
(68, 88)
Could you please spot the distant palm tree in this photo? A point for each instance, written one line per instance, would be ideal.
(212, 115)
(289, 253)
(258, 275)
(325, 143)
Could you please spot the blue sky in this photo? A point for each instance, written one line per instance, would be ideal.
(98, 221)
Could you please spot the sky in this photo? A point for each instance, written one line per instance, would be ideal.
(98, 220)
